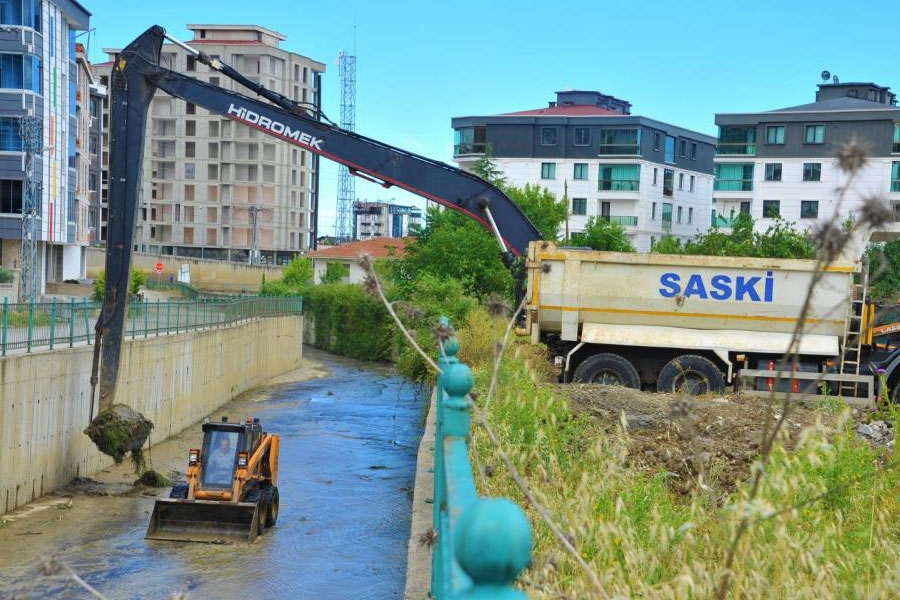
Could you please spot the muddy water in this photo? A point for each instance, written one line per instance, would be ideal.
(346, 471)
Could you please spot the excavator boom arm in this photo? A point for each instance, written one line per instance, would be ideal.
(137, 75)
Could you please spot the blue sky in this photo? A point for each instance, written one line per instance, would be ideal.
(421, 63)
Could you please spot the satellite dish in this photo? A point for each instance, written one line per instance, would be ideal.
(826, 75)
(834, 79)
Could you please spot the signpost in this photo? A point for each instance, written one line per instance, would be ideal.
(159, 268)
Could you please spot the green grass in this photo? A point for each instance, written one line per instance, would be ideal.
(645, 541)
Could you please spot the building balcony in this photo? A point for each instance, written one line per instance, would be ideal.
(624, 221)
(733, 185)
(469, 149)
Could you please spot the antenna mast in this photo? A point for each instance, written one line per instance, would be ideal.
(346, 184)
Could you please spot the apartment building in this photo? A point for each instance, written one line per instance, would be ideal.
(98, 163)
(83, 118)
(384, 219)
(39, 77)
(214, 188)
(783, 163)
(653, 178)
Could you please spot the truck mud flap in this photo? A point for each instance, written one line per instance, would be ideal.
(204, 521)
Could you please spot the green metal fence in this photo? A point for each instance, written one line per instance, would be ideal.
(58, 324)
(482, 543)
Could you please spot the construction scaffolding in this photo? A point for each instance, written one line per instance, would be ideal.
(31, 146)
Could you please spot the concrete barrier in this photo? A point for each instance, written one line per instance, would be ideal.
(174, 380)
(206, 274)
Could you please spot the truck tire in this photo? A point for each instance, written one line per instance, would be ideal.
(608, 369)
(272, 513)
(179, 491)
(692, 374)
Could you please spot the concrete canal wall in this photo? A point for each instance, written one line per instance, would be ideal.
(173, 380)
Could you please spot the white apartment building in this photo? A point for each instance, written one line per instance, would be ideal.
(215, 188)
(652, 178)
(783, 163)
(384, 219)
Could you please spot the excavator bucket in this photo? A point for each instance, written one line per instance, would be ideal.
(204, 521)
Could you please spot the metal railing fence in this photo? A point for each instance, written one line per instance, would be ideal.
(56, 324)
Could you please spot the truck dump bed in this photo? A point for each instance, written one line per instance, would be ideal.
(571, 288)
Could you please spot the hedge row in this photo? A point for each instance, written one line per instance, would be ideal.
(343, 319)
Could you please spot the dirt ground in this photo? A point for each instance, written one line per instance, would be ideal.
(713, 439)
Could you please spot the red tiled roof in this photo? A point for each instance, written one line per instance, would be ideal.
(380, 247)
(575, 110)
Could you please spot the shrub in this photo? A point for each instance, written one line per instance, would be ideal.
(347, 321)
(136, 280)
(6, 276)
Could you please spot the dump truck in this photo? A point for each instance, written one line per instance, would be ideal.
(702, 323)
(231, 493)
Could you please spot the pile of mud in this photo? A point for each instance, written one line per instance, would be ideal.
(713, 438)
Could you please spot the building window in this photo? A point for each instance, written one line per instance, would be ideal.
(679, 214)
(581, 171)
(620, 141)
(771, 209)
(191, 63)
(681, 182)
(190, 149)
(469, 140)
(815, 134)
(10, 137)
(745, 208)
(189, 170)
(619, 178)
(734, 177)
(92, 182)
(92, 144)
(10, 196)
(21, 12)
(190, 127)
(737, 140)
(21, 72)
(773, 171)
(809, 209)
(653, 211)
(895, 177)
(579, 206)
(549, 136)
(190, 108)
(655, 172)
(683, 150)
(812, 171)
(693, 150)
(896, 147)
(548, 170)
(692, 183)
(213, 129)
(670, 149)
(666, 215)
(657, 137)
(668, 182)
(690, 215)
(582, 136)
(775, 135)
(605, 210)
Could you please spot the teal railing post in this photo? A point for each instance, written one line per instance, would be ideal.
(30, 323)
(177, 315)
(482, 543)
(52, 322)
(146, 307)
(168, 316)
(129, 305)
(5, 324)
(87, 323)
(71, 322)
(157, 317)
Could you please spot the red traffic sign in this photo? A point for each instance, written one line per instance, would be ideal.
(159, 267)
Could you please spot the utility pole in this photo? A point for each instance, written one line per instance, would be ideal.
(254, 247)
(31, 144)
(566, 201)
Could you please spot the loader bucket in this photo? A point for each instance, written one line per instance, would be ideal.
(204, 521)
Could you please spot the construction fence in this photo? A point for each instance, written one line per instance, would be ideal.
(56, 324)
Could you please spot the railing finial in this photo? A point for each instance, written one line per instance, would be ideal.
(493, 542)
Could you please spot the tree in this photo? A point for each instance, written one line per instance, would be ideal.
(335, 272)
(600, 234)
(453, 246)
(541, 207)
(487, 169)
(136, 280)
(294, 279)
(780, 240)
(884, 271)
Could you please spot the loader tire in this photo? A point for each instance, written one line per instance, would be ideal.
(608, 369)
(179, 491)
(691, 374)
(263, 512)
(272, 512)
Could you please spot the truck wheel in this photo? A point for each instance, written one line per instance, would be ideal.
(691, 374)
(608, 369)
(272, 513)
(263, 513)
(179, 491)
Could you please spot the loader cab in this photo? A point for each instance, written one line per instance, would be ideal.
(221, 444)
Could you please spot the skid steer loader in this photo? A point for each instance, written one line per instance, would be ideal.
(231, 492)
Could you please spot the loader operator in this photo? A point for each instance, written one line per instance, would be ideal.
(220, 465)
